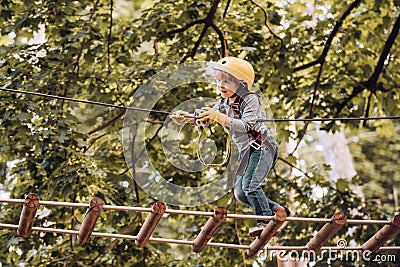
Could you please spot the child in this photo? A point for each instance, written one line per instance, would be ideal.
(240, 110)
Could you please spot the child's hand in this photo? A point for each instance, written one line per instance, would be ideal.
(180, 117)
(213, 116)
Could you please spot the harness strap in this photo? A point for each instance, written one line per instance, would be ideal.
(236, 107)
(259, 140)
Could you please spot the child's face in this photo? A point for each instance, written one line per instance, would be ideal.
(226, 84)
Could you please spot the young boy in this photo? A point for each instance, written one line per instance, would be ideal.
(240, 110)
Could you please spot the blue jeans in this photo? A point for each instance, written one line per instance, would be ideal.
(248, 188)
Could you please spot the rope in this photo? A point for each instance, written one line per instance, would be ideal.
(183, 242)
(334, 119)
(227, 150)
(81, 100)
(188, 242)
(168, 113)
(197, 213)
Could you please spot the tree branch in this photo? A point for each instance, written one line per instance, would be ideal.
(192, 53)
(327, 46)
(293, 166)
(109, 36)
(226, 8)
(368, 107)
(132, 151)
(76, 65)
(208, 22)
(321, 61)
(179, 30)
(107, 124)
(266, 23)
(372, 83)
(221, 39)
(94, 141)
(384, 55)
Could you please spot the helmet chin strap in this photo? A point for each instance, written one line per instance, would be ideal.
(233, 96)
(240, 90)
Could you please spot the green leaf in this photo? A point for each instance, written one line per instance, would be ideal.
(342, 185)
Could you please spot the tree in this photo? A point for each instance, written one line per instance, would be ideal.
(325, 59)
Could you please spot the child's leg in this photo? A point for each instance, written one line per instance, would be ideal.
(241, 196)
(260, 163)
(239, 193)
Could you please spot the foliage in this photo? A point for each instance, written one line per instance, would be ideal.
(322, 59)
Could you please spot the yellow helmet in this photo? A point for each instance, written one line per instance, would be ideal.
(238, 68)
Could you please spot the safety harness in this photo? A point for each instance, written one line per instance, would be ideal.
(258, 139)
